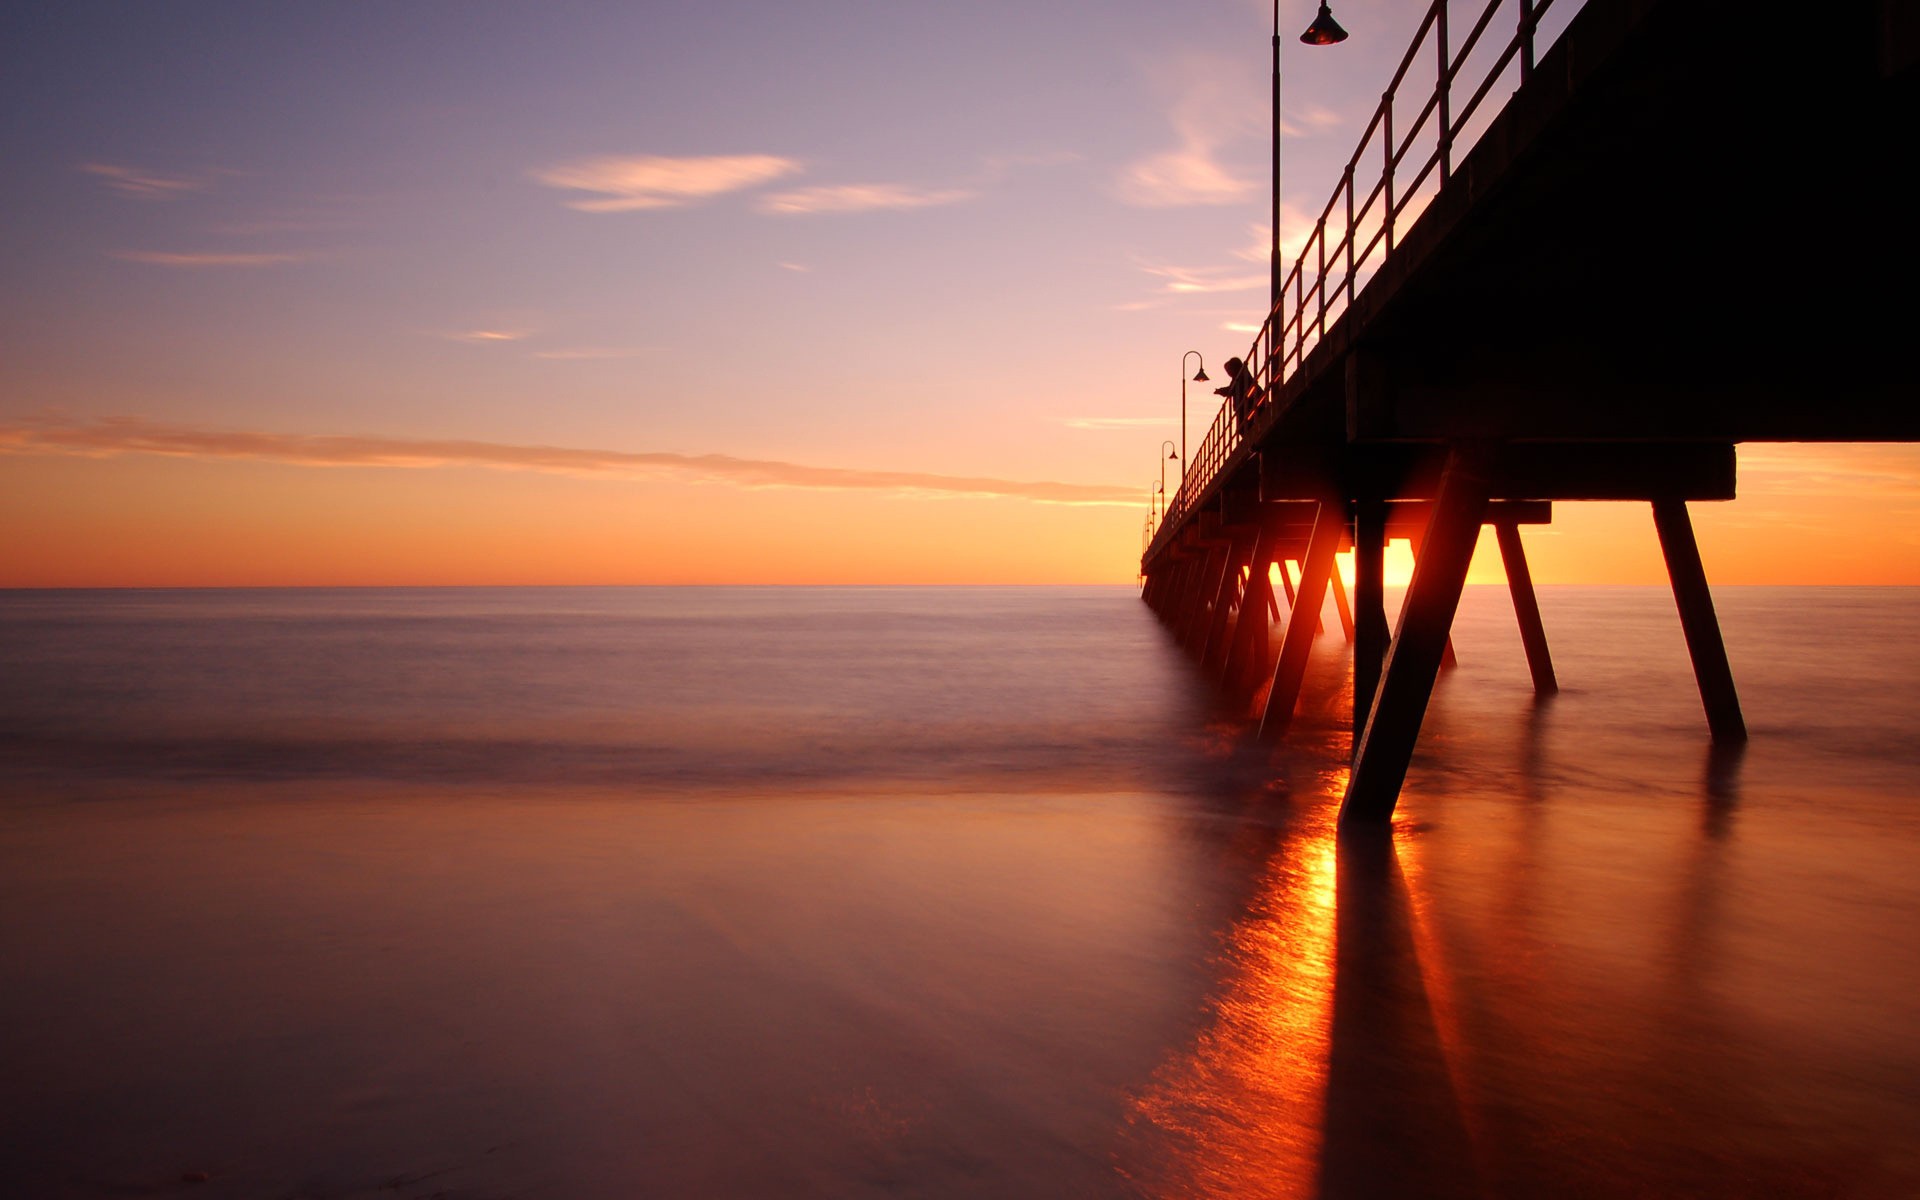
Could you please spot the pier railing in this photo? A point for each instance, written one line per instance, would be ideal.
(1405, 156)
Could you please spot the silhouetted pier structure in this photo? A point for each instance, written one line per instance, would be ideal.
(1689, 227)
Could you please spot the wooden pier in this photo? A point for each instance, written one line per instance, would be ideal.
(1688, 228)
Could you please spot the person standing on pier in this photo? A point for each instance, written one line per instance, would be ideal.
(1241, 392)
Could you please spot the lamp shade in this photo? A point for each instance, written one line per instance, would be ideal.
(1324, 31)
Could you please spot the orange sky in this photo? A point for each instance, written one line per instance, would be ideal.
(1837, 515)
(760, 293)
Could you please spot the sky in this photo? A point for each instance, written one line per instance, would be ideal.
(705, 292)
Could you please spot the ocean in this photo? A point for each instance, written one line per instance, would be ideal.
(943, 892)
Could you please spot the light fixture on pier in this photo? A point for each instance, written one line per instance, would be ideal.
(1324, 31)
(1171, 457)
(1199, 376)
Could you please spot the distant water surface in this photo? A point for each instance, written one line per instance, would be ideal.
(939, 892)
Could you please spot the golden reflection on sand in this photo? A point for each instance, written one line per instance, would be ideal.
(1437, 975)
(1242, 1113)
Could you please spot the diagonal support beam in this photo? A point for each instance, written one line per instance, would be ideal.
(1697, 621)
(1248, 653)
(1214, 649)
(1286, 581)
(1203, 583)
(1340, 605)
(1533, 634)
(1419, 643)
(1416, 540)
(1329, 525)
(1370, 635)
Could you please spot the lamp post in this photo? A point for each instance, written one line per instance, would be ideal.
(1325, 31)
(1167, 445)
(1199, 376)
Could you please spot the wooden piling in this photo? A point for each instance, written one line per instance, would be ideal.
(1340, 604)
(1419, 643)
(1415, 543)
(1697, 620)
(1248, 651)
(1286, 581)
(1533, 634)
(1194, 609)
(1370, 606)
(1329, 524)
(1213, 648)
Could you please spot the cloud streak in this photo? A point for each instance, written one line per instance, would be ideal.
(1868, 469)
(1189, 281)
(634, 183)
(1181, 178)
(1115, 422)
(142, 184)
(111, 437)
(860, 197)
(158, 258)
(1206, 115)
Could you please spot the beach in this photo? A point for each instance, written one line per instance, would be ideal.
(939, 892)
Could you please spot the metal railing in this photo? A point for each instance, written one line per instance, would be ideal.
(1328, 274)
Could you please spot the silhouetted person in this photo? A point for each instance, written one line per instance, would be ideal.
(1241, 392)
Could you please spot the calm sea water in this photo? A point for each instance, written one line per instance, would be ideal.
(939, 892)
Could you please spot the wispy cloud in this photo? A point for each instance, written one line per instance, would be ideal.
(116, 436)
(1307, 122)
(797, 268)
(486, 337)
(1207, 113)
(1203, 280)
(1177, 281)
(861, 197)
(1182, 177)
(1844, 469)
(143, 184)
(628, 184)
(1115, 422)
(1295, 228)
(158, 258)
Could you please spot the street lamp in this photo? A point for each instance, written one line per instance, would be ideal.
(1199, 376)
(1324, 31)
(1167, 445)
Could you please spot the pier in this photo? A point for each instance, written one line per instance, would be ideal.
(1686, 228)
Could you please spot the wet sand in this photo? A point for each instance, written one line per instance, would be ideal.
(1595, 959)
